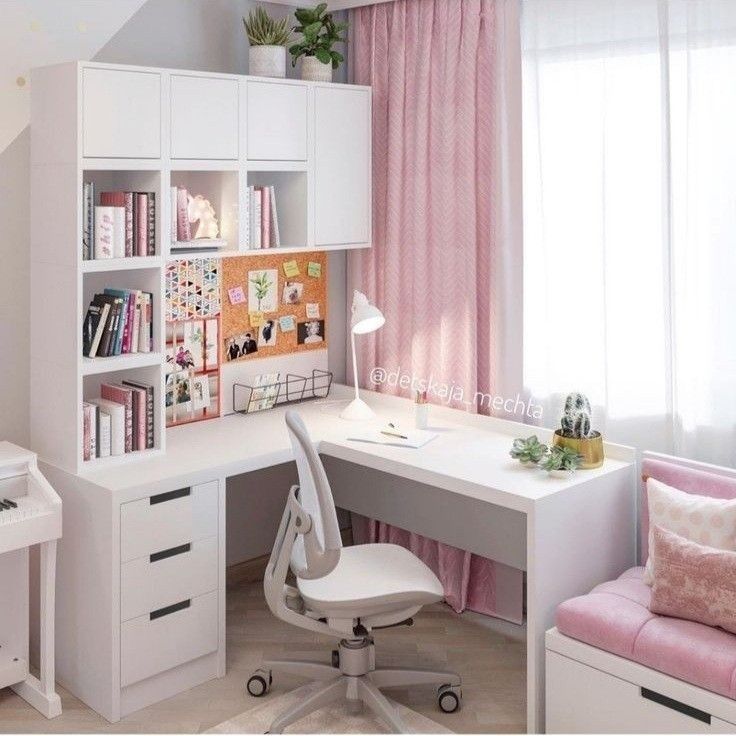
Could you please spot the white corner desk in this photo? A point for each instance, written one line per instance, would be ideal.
(141, 570)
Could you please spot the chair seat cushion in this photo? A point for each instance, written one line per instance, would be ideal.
(615, 616)
(372, 579)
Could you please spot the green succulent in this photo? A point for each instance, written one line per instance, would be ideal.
(320, 33)
(561, 458)
(529, 450)
(263, 30)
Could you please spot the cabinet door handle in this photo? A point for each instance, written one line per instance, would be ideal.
(171, 552)
(170, 495)
(166, 610)
(684, 708)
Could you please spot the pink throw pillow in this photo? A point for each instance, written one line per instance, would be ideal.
(693, 581)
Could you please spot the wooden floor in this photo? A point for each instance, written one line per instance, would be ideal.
(492, 667)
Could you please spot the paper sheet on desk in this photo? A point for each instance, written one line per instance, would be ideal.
(415, 437)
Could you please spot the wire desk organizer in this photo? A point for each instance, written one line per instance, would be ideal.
(292, 390)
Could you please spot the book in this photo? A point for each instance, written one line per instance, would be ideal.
(116, 200)
(275, 237)
(266, 216)
(149, 409)
(124, 396)
(145, 335)
(246, 217)
(129, 229)
(141, 226)
(103, 433)
(140, 416)
(87, 419)
(107, 343)
(116, 412)
(100, 331)
(135, 340)
(104, 229)
(172, 224)
(183, 228)
(120, 329)
(88, 228)
(255, 218)
(151, 225)
(90, 328)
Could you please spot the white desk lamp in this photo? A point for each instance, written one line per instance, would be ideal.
(366, 318)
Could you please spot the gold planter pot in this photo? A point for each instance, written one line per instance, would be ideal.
(591, 448)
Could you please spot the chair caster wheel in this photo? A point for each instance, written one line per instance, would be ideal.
(448, 698)
(259, 683)
(335, 658)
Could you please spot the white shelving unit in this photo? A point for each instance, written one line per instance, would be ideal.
(147, 129)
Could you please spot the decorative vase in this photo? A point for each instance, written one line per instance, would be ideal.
(591, 448)
(313, 70)
(267, 61)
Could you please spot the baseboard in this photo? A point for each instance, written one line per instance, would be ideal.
(251, 571)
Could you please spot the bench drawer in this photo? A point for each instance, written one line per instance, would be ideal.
(165, 577)
(163, 639)
(168, 520)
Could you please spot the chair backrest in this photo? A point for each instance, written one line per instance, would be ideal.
(315, 495)
(688, 476)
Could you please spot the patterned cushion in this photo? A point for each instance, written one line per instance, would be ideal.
(693, 581)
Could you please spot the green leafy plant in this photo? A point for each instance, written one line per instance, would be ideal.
(262, 284)
(263, 30)
(320, 33)
(561, 458)
(529, 450)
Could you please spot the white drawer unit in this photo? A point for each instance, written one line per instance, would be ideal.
(605, 693)
(277, 121)
(204, 117)
(121, 113)
(166, 577)
(167, 520)
(167, 637)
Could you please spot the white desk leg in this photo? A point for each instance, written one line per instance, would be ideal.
(41, 694)
(575, 540)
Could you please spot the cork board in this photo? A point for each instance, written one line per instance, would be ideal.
(258, 297)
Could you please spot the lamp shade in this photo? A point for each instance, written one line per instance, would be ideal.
(366, 317)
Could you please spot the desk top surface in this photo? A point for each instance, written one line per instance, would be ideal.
(470, 454)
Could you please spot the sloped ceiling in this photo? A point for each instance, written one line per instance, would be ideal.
(41, 32)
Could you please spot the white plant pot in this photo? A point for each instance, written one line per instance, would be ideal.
(560, 473)
(267, 61)
(313, 70)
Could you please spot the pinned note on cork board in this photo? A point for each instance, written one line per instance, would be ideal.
(275, 287)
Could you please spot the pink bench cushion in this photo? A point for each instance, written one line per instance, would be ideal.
(615, 616)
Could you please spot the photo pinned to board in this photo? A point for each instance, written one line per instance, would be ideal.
(267, 334)
(311, 332)
(262, 290)
(292, 293)
(241, 346)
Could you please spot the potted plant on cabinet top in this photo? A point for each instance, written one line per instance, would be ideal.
(561, 461)
(576, 433)
(268, 39)
(528, 451)
(320, 33)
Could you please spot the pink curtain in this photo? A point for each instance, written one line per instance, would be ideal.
(446, 190)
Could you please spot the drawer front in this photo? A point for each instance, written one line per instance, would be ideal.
(166, 577)
(581, 699)
(168, 520)
(161, 640)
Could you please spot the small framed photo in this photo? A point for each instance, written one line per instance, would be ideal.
(311, 332)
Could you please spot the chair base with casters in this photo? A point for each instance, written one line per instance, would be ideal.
(346, 593)
(352, 677)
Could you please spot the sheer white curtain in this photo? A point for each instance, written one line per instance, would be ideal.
(630, 217)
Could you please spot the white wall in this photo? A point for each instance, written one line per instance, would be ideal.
(190, 34)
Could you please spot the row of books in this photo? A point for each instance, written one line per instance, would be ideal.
(262, 218)
(119, 421)
(118, 321)
(122, 225)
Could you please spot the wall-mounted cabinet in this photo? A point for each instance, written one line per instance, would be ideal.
(121, 113)
(277, 121)
(204, 117)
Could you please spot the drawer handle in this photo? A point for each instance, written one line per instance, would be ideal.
(170, 495)
(683, 708)
(164, 553)
(166, 610)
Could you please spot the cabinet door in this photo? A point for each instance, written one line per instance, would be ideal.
(204, 117)
(342, 164)
(121, 114)
(277, 122)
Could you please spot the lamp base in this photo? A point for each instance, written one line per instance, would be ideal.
(357, 411)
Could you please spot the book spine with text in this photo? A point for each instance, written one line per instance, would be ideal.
(141, 233)
(151, 240)
(183, 228)
(129, 229)
(104, 229)
(123, 396)
(103, 438)
(266, 217)
(275, 237)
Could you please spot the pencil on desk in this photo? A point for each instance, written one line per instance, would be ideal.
(394, 434)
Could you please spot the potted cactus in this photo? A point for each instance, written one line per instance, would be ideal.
(268, 39)
(576, 434)
(528, 451)
(561, 461)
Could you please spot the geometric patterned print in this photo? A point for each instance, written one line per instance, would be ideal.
(192, 289)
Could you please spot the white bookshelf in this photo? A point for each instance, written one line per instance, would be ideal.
(147, 129)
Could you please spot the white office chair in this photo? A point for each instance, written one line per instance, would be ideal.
(342, 592)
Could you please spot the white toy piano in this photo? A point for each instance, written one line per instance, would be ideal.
(30, 513)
